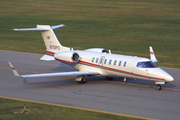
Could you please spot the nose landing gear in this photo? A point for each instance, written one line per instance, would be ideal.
(158, 87)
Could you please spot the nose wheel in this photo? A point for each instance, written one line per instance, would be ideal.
(158, 87)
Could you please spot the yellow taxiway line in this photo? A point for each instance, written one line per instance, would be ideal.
(79, 108)
(142, 85)
(60, 105)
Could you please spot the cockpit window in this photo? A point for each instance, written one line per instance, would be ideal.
(147, 64)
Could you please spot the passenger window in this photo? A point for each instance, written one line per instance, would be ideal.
(101, 60)
(97, 60)
(125, 64)
(115, 62)
(93, 59)
(110, 62)
(105, 61)
(119, 63)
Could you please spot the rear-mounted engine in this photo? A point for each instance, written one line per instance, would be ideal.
(75, 57)
(67, 57)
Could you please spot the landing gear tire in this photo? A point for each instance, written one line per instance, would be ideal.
(158, 87)
(83, 80)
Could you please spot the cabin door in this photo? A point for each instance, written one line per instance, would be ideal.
(101, 61)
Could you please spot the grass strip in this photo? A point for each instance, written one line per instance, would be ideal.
(13, 109)
(124, 26)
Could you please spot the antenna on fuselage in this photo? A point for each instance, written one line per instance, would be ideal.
(109, 51)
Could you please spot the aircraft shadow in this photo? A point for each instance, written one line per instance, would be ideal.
(95, 80)
(142, 82)
(65, 81)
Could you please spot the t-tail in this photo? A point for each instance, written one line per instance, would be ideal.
(50, 39)
(51, 42)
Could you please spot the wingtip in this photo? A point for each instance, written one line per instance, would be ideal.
(62, 24)
(14, 70)
(10, 64)
(15, 29)
(151, 49)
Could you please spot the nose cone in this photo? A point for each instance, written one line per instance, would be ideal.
(162, 74)
(169, 78)
(166, 76)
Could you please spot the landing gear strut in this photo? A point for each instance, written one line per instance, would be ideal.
(81, 79)
(158, 87)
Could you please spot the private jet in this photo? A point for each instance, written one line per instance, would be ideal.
(96, 61)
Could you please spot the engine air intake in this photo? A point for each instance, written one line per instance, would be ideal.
(75, 57)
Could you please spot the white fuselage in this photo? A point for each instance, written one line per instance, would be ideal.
(115, 65)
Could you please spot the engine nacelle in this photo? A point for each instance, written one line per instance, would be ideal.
(67, 57)
(101, 50)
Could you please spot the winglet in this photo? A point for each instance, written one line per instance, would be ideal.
(14, 70)
(152, 55)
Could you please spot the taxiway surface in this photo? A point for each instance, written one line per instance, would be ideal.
(97, 93)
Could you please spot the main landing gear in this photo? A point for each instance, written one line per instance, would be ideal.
(81, 79)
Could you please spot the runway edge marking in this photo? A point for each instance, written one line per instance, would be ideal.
(79, 108)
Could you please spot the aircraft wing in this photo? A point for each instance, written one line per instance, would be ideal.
(73, 73)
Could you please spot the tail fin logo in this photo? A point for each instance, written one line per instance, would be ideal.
(48, 37)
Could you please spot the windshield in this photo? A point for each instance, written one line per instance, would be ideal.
(147, 64)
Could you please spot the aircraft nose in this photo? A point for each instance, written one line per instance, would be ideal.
(166, 76)
(169, 78)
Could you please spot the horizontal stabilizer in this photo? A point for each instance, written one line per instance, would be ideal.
(47, 58)
(57, 26)
(31, 29)
(39, 29)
